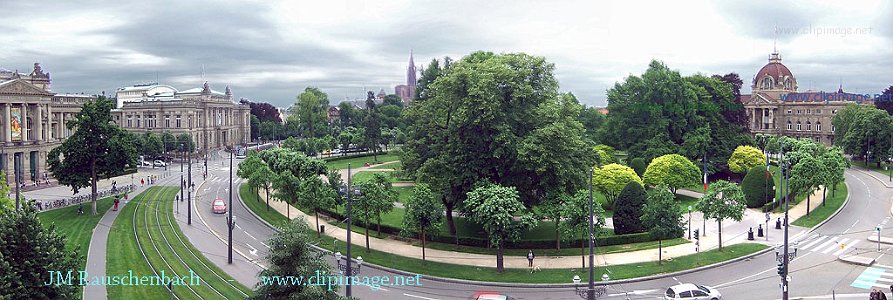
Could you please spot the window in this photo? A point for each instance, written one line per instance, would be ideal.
(178, 121)
(808, 111)
(808, 126)
(787, 83)
(167, 121)
(789, 125)
(833, 111)
(698, 293)
(767, 83)
(685, 294)
(798, 126)
(832, 128)
(818, 111)
(799, 111)
(129, 121)
(818, 126)
(138, 121)
(789, 111)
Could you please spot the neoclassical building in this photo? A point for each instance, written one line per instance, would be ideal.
(211, 117)
(33, 121)
(776, 107)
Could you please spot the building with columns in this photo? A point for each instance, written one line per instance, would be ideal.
(212, 118)
(776, 107)
(33, 121)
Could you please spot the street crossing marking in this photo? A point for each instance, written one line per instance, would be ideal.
(846, 247)
(825, 244)
(870, 277)
(842, 243)
(816, 241)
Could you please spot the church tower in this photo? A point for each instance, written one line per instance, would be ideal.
(411, 80)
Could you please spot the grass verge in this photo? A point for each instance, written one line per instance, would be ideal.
(356, 162)
(552, 252)
(822, 212)
(166, 249)
(77, 229)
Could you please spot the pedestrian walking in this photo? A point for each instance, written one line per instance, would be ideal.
(117, 200)
(141, 182)
(530, 257)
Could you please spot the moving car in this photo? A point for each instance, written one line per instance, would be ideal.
(159, 163)
(690, 291)
(491, 296)
(146, 163)
(219, 207)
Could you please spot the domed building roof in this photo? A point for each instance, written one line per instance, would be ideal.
(774, 76)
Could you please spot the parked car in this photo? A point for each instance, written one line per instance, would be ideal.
(145, 163)
(690, 291)
(219, 207)
(491, 296)
(159, 163)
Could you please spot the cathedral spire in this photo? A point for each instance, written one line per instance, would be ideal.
(411, 75)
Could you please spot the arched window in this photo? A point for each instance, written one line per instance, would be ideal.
(808, 126)
(798, 126)
(767, 83)
(818, 126)
(787, 83)
(789, 125)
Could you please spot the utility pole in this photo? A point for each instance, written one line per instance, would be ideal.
(230, 208)
(786, 258)
(591, 293)
(182, 183)
(189, 184)
(349, 221)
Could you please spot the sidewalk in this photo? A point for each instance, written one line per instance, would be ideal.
(96, 254)
(733, 233)
(59, 192)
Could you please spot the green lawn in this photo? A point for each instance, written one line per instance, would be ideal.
(259, 206)
(77, 229)
(403, 193)
(356, 162)
(523, 275)
(396, 166)
(686, 201)
(832, 203)
(366, 176)
(149, 218)
(552, 252)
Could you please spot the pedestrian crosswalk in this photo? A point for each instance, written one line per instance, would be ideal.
(874, 277)
(831, 245)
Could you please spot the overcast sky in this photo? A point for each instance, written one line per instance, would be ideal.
(270, 51)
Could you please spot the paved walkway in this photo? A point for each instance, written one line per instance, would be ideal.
(733, 233)
(96, 253)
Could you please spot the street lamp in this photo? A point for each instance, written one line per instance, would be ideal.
(348, 191)
(591, 293)
(345, 268)
(689, 222)
(779, 253)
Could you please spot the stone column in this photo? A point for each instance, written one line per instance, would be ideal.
(50, 135)
(25, 127)
(38, 130)
(7, 130)
(62, 125)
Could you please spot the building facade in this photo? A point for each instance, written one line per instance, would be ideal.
(776, 107)
(33, 121)
(212, 118)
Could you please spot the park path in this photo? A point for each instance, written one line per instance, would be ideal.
(733, 233)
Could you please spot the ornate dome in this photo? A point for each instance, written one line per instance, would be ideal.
(774, 76)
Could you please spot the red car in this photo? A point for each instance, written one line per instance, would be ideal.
(219, 207)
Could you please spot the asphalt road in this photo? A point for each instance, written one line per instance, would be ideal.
(815, 273)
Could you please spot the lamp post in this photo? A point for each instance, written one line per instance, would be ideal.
(232, 223)
(189, 182)
(689, 222)
(346, 269)
(591, 293)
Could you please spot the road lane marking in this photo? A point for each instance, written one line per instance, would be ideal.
(249, 235)
(252, 250)
(758, 274)
(420, 297)
(825, 244)
(842, 243)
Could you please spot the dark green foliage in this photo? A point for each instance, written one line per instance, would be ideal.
(28, 252)
(628, 209)
(291, 255)
(758, 189)
(638, 164)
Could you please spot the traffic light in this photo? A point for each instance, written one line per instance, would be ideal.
(697, 235)
(781, 269)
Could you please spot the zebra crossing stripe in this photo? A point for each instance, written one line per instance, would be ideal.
(819, 247)
(869, 278)
(846, 247)
(842, 242)
(816, 241)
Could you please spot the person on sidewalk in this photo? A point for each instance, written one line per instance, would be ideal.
(117, 200)
(530, 257)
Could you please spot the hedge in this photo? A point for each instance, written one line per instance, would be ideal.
(483, 242)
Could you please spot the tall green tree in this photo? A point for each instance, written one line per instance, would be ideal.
(5, 202)
(428, 76)
(868, 133)
(662, 218)
(628, 209)
(494, 207)
(169, 141)
(478, 116)
(638, 165)
(835, 166)
(315, 195)
(377, 198)
(424, 214)
(311, 111)
(291, 254)
(724, 200)
(758, 187)
(575, 214)
(152, 144)
(372, 124)
(97, 148)
(672, 170)
(185, 143)
(806, 177)
(29, 252)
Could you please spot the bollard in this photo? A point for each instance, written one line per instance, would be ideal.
(750, 234)
(778, 223)
(760, 230)
(322, 228)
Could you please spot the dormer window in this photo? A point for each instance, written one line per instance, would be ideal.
(767, 83)
(787, 84)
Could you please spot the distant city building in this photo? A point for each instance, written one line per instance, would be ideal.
(776, 107)
(33, 122)
(407, 91)
(211, 117)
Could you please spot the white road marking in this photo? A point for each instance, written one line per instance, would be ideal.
(420, 297)
(252, 250)
(825, 244)
(869, 283)
(758, 274)
(816, 241)
(251, 236)
(842, 243)
(265, 245)
(883, 266)
(642, 292)
(846, 247)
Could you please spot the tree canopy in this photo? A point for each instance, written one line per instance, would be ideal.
(494, 207)
(424, 214)
(724, 200)
(311, 112)
(672, 170)
(661, 216)
(611, 179)
(745, 158)
(628, 209)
